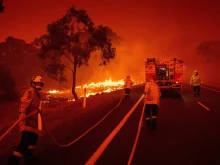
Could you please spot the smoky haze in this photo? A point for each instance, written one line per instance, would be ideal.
(161, 29)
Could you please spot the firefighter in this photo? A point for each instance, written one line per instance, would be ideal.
(29, 103)
(152, 102)
(127, 87)
(195, 82)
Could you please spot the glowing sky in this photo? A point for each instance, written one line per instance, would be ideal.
(145, 19)
(153, 27)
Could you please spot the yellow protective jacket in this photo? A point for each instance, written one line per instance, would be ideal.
(152, 93)
(30, 103)
(195, 80)
(128, 83)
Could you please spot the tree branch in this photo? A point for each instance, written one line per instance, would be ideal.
(68, 57)
(69, 67)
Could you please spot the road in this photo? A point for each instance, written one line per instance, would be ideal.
(187, 134)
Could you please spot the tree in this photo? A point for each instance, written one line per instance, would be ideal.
(21, 58)
(1, 6)
(210, 50)
(7, 84)
(69, 43)
(96, 61)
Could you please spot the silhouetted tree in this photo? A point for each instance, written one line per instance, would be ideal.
(96, 61)
(1, 6)
(7, 84)
(69, 43)
(210, 50)
(21, 58)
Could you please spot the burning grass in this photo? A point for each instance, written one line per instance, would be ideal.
(85, 90)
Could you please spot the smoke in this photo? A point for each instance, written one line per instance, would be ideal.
(161, 29)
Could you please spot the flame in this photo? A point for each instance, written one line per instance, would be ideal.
(106, 83)
(87, 90)
(54, 91)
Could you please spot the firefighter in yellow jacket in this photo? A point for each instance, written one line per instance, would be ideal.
(152, 102)
(127, 87)
(29, 104)
(196, 81)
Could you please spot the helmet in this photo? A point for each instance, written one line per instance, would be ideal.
(38, 81)
(195, 71)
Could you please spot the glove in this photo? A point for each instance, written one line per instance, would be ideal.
(40, 111)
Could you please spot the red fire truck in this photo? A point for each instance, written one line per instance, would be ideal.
(168, 74)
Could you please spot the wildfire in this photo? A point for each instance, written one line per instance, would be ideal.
(54, 91)
(106, 83)
(88, 89)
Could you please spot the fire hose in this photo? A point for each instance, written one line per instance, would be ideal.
(51, 137)
(13, 126)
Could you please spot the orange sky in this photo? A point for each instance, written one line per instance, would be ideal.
(132, 19)
(149, 27)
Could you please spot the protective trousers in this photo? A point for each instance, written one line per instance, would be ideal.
(26, 146)
(127, 93)
(196, 90)
(151, 110)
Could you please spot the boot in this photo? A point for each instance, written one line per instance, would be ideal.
(128, 97)
(148, 122)
(195, 94)
(29, 156)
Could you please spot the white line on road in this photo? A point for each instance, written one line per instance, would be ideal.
(204, 106)
(211, 89)
(106, 142)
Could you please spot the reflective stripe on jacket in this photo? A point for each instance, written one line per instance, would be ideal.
(195, 80)
(30, 102)
(152, 93)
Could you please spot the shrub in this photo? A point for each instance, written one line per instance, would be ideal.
(7, 85)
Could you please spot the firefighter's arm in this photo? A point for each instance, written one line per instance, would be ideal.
(125, 83)
(25, 102)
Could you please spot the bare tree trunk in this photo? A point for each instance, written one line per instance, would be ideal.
(74, 83)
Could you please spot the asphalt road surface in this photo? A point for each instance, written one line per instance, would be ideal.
(187, 134)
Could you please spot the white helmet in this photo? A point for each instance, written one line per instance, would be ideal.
(38, 81)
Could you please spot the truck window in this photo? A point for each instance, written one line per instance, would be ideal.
(162, 73)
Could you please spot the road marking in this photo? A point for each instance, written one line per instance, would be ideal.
(106, 142)
(204, 106)
(210, 89)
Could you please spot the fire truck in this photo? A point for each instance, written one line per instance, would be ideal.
(168, 74)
